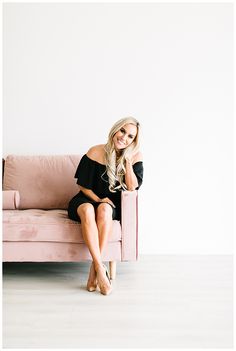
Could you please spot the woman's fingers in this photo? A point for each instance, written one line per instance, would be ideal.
(111, 203)
(106, 199)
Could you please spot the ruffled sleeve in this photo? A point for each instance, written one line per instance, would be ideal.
(138, 171)
(85, 172)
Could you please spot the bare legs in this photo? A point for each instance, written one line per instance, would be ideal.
(96, 230)
(104, 224)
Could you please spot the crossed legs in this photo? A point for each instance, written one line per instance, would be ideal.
(96, 228)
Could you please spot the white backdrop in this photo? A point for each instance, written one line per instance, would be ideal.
(71, 70)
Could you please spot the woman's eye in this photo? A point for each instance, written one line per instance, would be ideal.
(131, 137)
(122, 130)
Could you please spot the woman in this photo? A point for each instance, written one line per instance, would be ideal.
(102, 174)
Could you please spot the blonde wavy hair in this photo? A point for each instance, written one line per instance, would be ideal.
(115, 167)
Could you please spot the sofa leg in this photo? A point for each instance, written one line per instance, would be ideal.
(112, 267)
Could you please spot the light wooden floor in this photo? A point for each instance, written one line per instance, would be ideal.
(157, 302)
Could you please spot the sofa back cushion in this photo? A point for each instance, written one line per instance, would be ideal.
(44, 182)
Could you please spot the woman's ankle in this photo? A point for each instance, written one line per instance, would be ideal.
(97, 265)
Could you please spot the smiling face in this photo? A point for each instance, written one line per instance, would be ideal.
(125, 136)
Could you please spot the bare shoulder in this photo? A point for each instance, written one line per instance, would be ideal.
(97, 153)
(138, 157)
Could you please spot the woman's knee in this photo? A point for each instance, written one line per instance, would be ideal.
(86, 212)
(104, 212)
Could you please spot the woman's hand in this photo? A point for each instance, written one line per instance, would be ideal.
(129, 160)
(131, 180)
(107, 200)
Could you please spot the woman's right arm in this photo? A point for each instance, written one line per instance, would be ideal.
(91, 195)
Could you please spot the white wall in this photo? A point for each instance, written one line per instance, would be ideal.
(71, 70)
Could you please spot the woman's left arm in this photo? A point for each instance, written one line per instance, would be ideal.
(131, 180)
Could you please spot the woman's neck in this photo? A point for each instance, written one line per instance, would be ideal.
(118, 154)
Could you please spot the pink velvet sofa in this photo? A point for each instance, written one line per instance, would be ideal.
(36, 227)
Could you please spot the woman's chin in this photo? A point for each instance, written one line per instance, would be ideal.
(119, 149)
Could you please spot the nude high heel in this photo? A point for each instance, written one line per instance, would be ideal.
(103, 280)
(92, 281)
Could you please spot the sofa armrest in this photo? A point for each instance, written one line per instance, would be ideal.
(129, 225)
(10, 199)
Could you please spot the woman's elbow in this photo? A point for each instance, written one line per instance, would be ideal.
(132, 187)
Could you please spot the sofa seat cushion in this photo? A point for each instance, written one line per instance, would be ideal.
(46, 226)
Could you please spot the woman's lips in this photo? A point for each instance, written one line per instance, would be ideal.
(120, 142)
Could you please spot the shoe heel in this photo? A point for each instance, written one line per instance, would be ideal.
(107, 274)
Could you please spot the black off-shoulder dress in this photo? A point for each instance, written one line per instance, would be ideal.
(92, 175)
